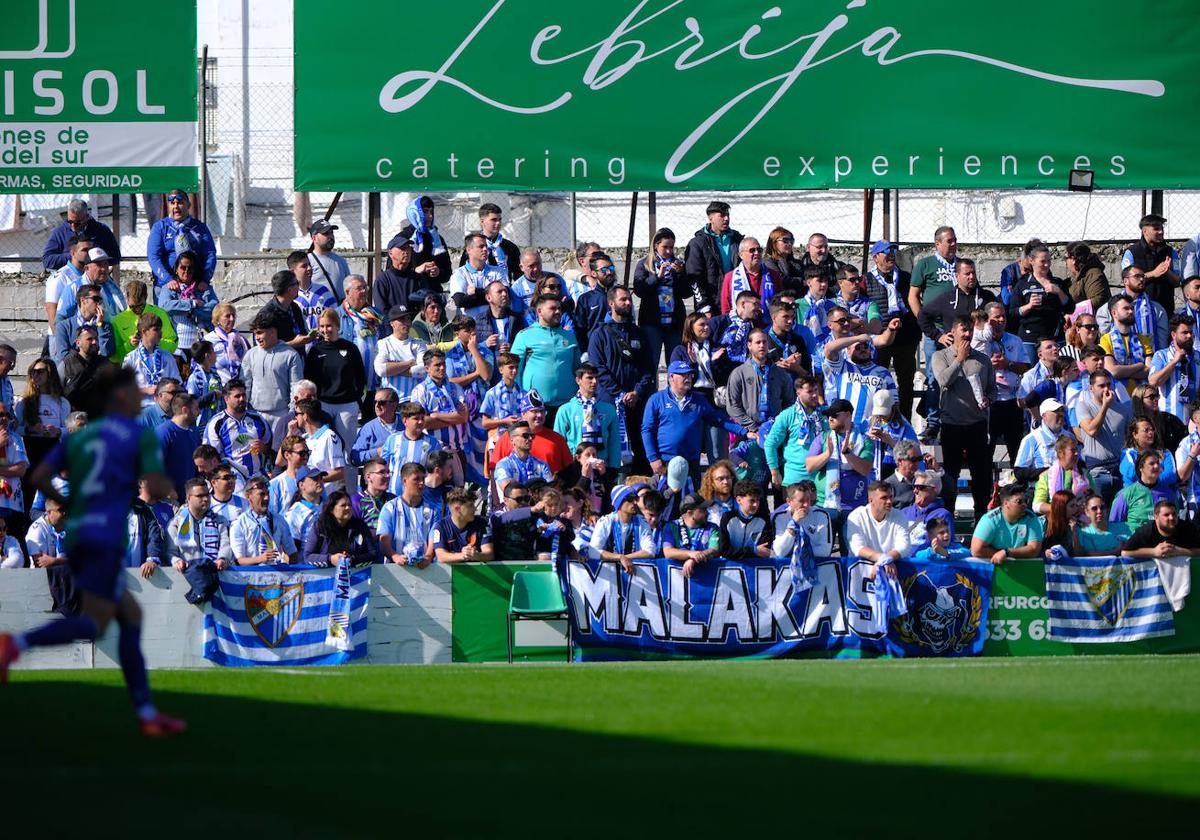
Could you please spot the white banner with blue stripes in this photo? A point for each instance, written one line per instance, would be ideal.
(1106, 599)
(288, 615)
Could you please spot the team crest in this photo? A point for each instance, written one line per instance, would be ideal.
(1110, 590)
(272, 610)
(944, 619)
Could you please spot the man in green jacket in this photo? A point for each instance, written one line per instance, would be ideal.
(548, 354)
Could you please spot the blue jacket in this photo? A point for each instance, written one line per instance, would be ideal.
(591, 310)
(177, 445)
(64, 338)
(370, 438)
(160, 247)
(57, 252)
(667, 431)
(618, 350)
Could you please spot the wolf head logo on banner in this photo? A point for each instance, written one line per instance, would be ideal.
(940, 618)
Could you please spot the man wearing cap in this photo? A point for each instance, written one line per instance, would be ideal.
(1036, 451)
(623, 535)
(329, 267)
(793, 432)
(888, 428)
(673, 422)
(176, 233)
(398, 358)
(548, 445)
(79, 222)
(841, 456)
(97, 270)
(1158, 260)
(284, 314)
(710, 255)
(888, 287)
(968, 386)
(691, 539)
(89, 311)
(469, 283)
(399, 284)
(548, 354)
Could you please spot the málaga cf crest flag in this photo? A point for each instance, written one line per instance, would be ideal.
(288, 615)
(1106, 599)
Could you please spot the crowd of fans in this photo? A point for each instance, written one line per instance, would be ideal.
(496, 410)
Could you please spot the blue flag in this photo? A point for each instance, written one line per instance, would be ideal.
(1106, 599)
(288, 615)
(947, 605)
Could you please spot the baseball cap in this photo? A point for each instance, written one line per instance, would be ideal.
(96, 255)
(321, 226)
(694, 501)
(310, 472)
(882, 403)
(1152, 219)
(837, 407)
(398, 312)
(622, 494)
(398, 241)
(1050, 405)
(681, 368)
(882, 247)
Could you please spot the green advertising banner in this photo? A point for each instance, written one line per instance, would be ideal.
(708, 95)
(98, 96)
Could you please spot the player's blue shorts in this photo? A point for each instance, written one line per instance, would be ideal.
(98, 569)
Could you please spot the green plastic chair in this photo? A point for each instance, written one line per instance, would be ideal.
(537, 596)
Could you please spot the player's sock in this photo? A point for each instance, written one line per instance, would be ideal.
(133, 666)
(59, 632)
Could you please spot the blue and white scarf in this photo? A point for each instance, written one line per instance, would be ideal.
(591, 431)
(741, 283)
(1145, 316)
(734, 339)
(421, 231)
(496, 254)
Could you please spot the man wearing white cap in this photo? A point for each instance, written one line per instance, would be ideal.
(97, 270)
(887, 427)
(1036, 452)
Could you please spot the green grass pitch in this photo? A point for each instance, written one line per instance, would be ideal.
(1001, 747)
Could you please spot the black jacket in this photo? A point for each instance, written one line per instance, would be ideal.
(512, 253)
(337, 368)
(425, 254)
(1046, 321)
(703, 268)
(79, 381)
(288, 320)
(485, 327)
(645, 286)
(937, 318)
(618, 350)
(1147, 257)
(396, 288)
(910, 331)
(356, 539)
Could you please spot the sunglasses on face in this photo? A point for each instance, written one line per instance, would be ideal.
(384, 402)
(1086, 326)
(754, 250)
(789, 240)
(611, 269)
(304, 452)
(838, 320)
(177, 199)
(76, 223)
(524, 435)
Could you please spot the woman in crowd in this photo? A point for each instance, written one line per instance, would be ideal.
(1134, 505)
(717, 487)
(41, 414)
(431, 325)
(339, 533)
(228, 343)
(1062, 523)
(1087, 279)
(189, 301)
(700, 349)
(1065, 473)
(1099, 537)
(1170, 430)
(779, 260)
(579, 511)
(658, 283)
(586, 472)
(1140, 437)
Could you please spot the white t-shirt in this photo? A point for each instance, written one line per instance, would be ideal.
(52, 411)
(11, 556)
(326, 452)
(889, 535)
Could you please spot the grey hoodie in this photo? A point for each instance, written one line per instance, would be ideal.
(269, 376)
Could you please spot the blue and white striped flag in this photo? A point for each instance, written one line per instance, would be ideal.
(288, 615)
(1106, 599)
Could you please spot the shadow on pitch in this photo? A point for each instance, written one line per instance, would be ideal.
(249, 767)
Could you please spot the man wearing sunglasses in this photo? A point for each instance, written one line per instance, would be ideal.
(749, 275)
(79, 222)
(592, 306)
(175, 234)
(89, 311)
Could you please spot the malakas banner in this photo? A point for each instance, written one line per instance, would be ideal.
(98, 96)
(761, 608)
(712, 95)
